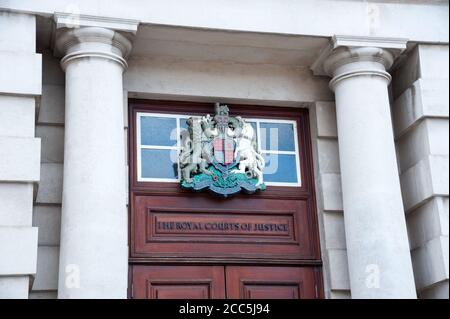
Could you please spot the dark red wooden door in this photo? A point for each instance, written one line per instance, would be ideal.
(263, 245)
(232, 282)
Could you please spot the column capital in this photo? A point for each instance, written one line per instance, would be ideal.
(96, 42)
(80, 36)
(347, 56)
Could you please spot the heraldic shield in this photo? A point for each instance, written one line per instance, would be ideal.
(220, 154)
(223, 150)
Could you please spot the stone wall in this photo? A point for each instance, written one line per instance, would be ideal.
(20, 88)
(421, 126)
(47, 206)
(329, 199)
(31, 168)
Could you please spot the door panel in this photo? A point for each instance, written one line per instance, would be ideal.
(219, 282)
(215, 229)
(178, 282)
(270, 282)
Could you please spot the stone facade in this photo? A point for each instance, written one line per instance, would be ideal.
(47, 206)
(420, 115)
(20, 90)
(267, 59)
(329, 198)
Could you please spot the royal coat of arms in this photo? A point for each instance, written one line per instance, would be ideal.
(220, 153)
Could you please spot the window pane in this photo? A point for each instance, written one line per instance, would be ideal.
(159, 163)
(183, 124)
(253, 124)
(280, 168)
(158, 131)
(277, 136)
(183, 127)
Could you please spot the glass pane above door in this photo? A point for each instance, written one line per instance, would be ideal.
(159, 137)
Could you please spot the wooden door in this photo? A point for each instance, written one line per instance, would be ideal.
(263, 245)
(219, 282)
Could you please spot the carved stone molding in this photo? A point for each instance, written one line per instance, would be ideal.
(347, 56)
(93, 42)
(74, 20)
(79, 36)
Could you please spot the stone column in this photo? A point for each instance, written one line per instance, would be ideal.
(377, 241)
(93, 255)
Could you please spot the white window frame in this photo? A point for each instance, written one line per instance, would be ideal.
(295, 152)
(177, 147)
(139, 146)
